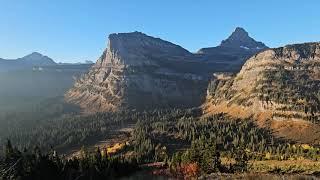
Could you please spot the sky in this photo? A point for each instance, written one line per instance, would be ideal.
(77, 30)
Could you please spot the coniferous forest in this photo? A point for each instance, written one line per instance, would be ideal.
(182, 143)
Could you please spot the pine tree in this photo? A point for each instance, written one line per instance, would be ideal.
(241, 159)
(9, 151)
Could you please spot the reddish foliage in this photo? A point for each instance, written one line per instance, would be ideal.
(186, 171)
(190, 170)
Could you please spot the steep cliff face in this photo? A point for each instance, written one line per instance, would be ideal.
(137, 71)
(280, 87)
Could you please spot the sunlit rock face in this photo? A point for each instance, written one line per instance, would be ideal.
(279, 87)
(137, 71)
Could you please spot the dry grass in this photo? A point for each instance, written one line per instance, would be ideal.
(300, 131)
(302, 166)
(233, 110)
(287, 166)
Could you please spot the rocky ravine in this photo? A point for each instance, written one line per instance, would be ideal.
(279, 87)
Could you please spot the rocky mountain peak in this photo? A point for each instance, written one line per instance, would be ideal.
(136, 49)
(240, 39)
(34, 54)
(123, 42)
(138, 71)
(232, 52)
(239, 34)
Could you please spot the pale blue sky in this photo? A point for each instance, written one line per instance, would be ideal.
(77, 30)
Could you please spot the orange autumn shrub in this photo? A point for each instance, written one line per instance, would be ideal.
(190, 170)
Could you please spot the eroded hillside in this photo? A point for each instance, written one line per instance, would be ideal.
(279, 87)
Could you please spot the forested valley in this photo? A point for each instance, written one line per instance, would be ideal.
(182, 143)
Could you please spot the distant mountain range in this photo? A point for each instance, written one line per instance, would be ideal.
(85, 62)
(34, 59)
(34, 78)
(28, 61)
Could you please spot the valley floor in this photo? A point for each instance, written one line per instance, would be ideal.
(116, 137)
(173, 144)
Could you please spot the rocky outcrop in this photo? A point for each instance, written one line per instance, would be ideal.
(278, 86)
(137, 71)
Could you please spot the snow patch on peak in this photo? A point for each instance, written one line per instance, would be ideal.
(245, 47)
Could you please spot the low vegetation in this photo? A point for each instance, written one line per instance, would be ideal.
(294, 89)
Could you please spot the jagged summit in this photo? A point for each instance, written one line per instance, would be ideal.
(239, 34)
(240, 39)
(233, 51)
